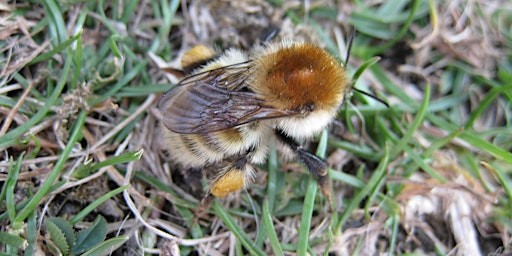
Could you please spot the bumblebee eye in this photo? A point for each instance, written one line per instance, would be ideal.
(307, 108)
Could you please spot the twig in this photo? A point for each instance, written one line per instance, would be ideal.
(14, 110)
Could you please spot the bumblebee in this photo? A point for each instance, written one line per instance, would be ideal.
(233, 105)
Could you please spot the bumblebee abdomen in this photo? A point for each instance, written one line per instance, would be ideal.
(199, 150)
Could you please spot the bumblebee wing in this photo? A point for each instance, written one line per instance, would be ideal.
(214, 100)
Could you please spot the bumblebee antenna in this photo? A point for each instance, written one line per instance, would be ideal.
(351, 37)
(371, 96)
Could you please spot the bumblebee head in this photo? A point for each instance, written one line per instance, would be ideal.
(300, 77)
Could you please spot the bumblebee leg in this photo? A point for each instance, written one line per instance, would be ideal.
(231, 179)
(315, 165)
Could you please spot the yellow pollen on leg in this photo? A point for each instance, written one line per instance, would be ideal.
(230, 182)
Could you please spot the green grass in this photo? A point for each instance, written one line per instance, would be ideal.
(82, 157)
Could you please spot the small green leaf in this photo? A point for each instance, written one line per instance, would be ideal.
(106, 247)
(236, 229)
(66, 228)
(271, 230)
(11, 240)
(113, 45)
(293, 207)
(32, 233)
(90, 237)
(79, 216)
(57, 236)
(10, 184)
(363, 67)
